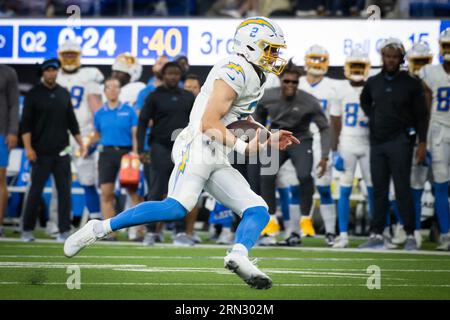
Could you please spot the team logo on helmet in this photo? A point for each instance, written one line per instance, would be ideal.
(260, 40)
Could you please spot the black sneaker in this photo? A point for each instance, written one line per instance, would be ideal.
(330, 239)
(374, 242)
(293, 240)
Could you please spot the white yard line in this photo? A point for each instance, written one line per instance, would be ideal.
(326, 285)
(152, 257)
(53, 265)
(93, 265)
(213, 246)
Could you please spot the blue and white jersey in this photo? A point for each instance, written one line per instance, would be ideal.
(80, 84)
(354, 120)
(325, 90)
(438, 80)
(240, 75)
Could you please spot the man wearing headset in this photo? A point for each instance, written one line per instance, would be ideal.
(394, 102)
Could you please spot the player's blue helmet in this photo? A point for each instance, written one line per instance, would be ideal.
(259, 40)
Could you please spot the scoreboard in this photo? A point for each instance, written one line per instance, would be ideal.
(204, 41)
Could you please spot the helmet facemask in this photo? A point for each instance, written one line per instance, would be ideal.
(356, 71)
(270, 60)
(70, 60)
(416, 63)
(445, 49)
(317, 64)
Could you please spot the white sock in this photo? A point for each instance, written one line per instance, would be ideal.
(95, 215)
(240, 248)
(328, 212)
(343, 235)
(294, 212)
(103, 228)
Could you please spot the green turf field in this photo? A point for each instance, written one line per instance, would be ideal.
(132, 271)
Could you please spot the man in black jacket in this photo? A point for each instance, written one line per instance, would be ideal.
(47, 117)
(168, 108)
(394, 102)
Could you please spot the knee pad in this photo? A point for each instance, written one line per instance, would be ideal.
(325, 195)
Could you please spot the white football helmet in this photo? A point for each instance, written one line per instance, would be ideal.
(357, 65)
(317, 60)
(419, 55)
(444, 44)
(69, 54)
(129, 64)
(259, 40)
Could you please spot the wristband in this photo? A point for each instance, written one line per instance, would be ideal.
(240, 146)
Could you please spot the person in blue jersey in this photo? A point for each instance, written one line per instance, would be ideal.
(115, 130)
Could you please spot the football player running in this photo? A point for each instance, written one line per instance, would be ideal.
(231, 92)
(437, 90)
(83, 83)
(351, 133)
(324, 89)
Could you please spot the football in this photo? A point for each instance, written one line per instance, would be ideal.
(246, 130)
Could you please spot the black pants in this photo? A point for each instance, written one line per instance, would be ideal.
(392, 159)
(109, 163)
(302, 159)
(40, 171)
(160, 171)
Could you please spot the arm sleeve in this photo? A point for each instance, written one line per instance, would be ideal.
(336, 101)
(72, 119)
(233, 74)
(421, 113)
(27, 113)
(93, 88)
(336, 107)
(144, 118)
(13, 103)
(97, 121)
(366, 99)
(325, 134)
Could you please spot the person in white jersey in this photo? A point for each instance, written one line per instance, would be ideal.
(231, 92)
(437, 90)
(349, 124)
(315, 82)
(84, 86)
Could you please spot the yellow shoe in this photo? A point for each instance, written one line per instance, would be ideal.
(272, 228)
(307, 227)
